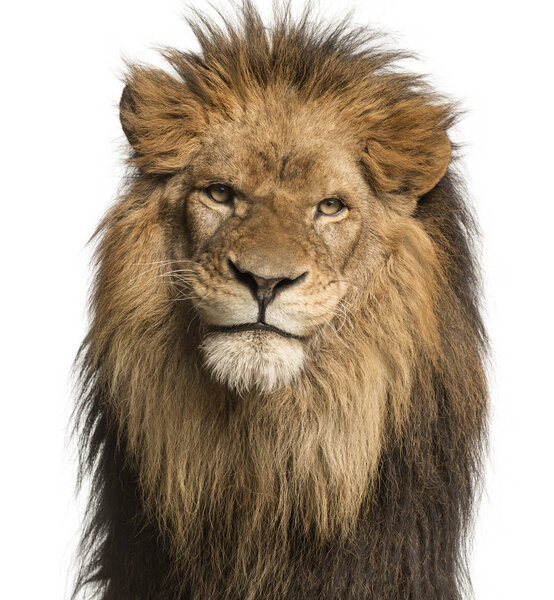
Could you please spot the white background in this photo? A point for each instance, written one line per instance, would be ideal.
(61, 151)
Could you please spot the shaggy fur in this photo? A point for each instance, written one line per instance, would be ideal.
(339, 460)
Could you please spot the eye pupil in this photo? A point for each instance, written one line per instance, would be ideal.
(220, 193)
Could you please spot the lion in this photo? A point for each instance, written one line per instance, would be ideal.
(282, 390)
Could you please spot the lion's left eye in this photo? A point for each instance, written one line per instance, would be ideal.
(222, 194)
(330, 206)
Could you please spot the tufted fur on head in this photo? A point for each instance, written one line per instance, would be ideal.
(333, 451)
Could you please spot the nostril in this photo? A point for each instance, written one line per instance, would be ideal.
(243, 277)
(286, 282)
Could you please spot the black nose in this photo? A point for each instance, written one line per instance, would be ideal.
(263, 289)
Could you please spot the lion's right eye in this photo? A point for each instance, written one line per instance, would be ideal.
(222, 194)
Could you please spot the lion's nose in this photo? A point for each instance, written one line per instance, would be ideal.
(263, 289)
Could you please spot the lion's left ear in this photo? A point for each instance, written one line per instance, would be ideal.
(407, 151)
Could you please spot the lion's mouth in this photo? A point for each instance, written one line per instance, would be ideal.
(256, 327)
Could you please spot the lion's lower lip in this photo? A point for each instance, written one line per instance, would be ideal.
(256, 327)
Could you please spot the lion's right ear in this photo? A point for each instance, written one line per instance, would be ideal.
(126, 112)
(160, 120)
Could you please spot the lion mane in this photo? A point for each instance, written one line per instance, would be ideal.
(356, 479)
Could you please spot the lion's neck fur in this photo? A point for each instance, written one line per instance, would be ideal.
(256, 461)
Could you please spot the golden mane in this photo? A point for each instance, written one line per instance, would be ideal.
(358, 481)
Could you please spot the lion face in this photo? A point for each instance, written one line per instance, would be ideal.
(275, 222)
(290, 198)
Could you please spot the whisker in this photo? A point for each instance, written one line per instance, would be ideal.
(194, 317)
(159, 263)
(167, 273)
(167, 262)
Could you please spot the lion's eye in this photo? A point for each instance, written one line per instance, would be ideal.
(330, 206)
(220, 193)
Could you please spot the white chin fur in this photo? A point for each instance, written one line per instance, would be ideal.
(249, 360)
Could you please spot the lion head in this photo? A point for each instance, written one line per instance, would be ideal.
(283, 292)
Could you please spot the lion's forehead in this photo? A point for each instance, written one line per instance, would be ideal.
(296, 151)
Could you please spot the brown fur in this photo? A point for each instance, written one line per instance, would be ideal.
(366, 462)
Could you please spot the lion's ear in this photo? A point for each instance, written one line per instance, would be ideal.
(407, 151)
(126, 114)
(159, 120)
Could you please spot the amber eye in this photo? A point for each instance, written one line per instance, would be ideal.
(222, 194)
(330, 206)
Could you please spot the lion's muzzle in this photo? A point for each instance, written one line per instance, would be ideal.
(263, 289)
